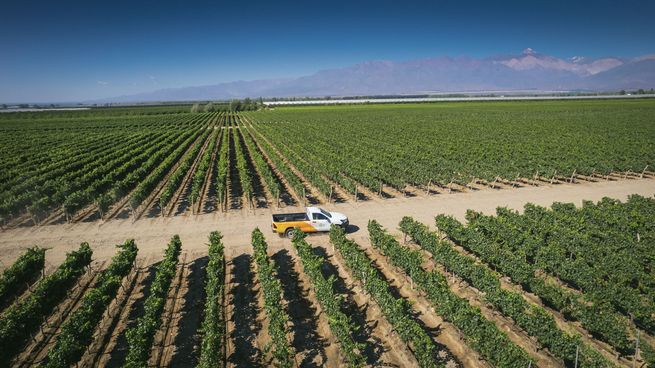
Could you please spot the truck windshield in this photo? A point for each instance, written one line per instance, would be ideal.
(326, 213)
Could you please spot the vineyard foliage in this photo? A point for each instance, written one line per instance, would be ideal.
(141, 336)
(481, 334)
(414, 144)
(94, 162)
(396, 310)
(77, 332)
(22, 320)
(278, 319)
(20, 274)
(213, 324)
(533, 319)
(332, 303)
(600, 253)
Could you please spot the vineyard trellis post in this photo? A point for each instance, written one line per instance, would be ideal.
(643, 172)
(577, 353)
(304, 197)
(355, 193)
(380, 192)
(572, 180)
(329, 197)
(634, 360)
(429, 185)
(552, 179)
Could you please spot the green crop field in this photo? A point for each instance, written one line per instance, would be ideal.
(557, 286)
(416, 143)
(75, 165)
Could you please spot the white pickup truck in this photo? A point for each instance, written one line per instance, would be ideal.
(314, 219)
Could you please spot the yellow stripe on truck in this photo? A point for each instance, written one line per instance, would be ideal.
(305, 226)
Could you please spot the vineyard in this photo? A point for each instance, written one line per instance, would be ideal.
(101, 164)
(558, 286)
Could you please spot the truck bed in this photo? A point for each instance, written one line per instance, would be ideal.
(288, 217)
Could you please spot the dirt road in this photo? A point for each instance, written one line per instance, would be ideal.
(152, 234)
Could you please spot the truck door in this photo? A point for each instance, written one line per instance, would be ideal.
(320, 222)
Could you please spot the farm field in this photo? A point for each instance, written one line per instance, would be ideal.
(487, 234)
(83, 166)
(546, 286)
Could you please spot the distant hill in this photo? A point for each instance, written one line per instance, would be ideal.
(527, 71)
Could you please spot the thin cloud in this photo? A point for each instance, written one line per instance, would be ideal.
(103, 83)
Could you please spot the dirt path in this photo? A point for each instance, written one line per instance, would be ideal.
(152, 234)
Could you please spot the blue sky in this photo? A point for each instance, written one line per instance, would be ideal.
(55, 51)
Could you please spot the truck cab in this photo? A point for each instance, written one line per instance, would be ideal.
(314, 219)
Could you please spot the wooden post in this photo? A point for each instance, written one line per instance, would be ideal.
(304, 197)
(380, 192)
(577, 351)
(573, 176)
(355, 193)
(429, 184)
(634, 360)
(643, 172)
(553, 177)
(330, 197)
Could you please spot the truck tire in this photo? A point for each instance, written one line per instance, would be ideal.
(290, 232)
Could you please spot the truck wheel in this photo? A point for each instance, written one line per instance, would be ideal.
(289, 233)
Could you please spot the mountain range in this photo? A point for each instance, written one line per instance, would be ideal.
(526, 71)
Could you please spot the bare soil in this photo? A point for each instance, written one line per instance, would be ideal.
(152, 234)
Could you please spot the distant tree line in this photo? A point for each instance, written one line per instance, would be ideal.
(246, 104)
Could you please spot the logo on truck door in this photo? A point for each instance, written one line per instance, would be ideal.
(320, 222)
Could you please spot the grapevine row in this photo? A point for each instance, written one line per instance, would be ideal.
(176, 179)
(244, 174)
(146, 186)
(272, 289)
(308, 171)
(212, 351)
(597, 318)
(21, 273)
(21, 320)
(77, 332)
(332, 304)
(480, 333)
(141, 336)
(279, 163)
(396, 310)
(533, 319)
(274, 186)
(203, 166)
